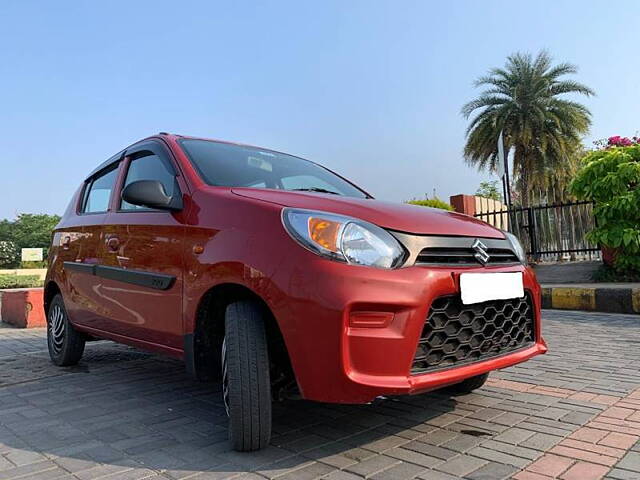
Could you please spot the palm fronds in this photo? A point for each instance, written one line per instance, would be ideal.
(523, 100)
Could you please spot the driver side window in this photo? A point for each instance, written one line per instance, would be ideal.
(150, 167)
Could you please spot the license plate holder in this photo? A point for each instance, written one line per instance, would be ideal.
(484, 287)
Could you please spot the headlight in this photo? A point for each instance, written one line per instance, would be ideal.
(517, 248)
(344, 239)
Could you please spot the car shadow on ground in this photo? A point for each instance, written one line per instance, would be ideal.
(123, 408)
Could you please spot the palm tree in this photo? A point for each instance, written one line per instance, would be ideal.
(523, 100)
(552, 187)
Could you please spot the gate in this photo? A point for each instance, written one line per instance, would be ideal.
(550, 232)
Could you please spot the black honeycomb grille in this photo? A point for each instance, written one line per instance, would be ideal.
(456, 334)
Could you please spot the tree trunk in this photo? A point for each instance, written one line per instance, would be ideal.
(558, 227)
(520, 165)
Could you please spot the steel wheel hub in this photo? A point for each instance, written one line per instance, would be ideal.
(56, 328)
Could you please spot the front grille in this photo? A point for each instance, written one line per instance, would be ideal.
(463, 256)
(455, 334)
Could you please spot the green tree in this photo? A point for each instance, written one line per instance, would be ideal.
(523, 100)
(489, 190)
(6, 233)
(28, 230)
(552, 185)
(33, 230)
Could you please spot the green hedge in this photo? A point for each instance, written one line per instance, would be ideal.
(613, 275)
(20, 281)
(430, 202)
(42, 264)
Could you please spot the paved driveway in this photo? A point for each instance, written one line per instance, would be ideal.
(124, 414)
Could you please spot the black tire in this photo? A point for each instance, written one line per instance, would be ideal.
(246, 385)
(66, 344)
(468, 385)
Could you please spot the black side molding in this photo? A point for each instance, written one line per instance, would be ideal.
(156, 281)
(87, 268)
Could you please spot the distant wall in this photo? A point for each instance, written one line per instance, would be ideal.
(473, 205)
(484, 205)
(463, 204)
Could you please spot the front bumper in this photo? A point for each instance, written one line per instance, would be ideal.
(335, 361)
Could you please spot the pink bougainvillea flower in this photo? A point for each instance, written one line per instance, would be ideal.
(618, 141)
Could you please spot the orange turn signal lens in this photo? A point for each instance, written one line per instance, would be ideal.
(324, 233)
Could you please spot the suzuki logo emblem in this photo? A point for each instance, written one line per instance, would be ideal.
(481, 252)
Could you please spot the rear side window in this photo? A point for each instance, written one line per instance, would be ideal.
(150, 167)
(98, 191)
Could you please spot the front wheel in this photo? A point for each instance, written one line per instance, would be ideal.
(246, 385)
(65, 343)
(468, 385)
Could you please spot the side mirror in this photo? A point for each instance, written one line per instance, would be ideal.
(151, 194)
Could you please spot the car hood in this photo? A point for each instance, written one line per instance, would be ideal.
(393, 216)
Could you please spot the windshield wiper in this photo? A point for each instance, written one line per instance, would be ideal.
(315, 189)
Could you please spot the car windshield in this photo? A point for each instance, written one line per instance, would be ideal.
(228, 165)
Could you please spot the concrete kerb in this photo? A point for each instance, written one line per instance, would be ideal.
(608, 298)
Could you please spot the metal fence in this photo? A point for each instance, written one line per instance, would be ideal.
(550, 233)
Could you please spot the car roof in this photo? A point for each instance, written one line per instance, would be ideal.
(118, 156)
(176, 137)
(239, 144)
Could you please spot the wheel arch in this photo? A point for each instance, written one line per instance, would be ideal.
(202, 348)
(51, 289)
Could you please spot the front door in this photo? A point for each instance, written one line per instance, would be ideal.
(141, 264)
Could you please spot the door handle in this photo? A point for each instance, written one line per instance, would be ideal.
(113, 244)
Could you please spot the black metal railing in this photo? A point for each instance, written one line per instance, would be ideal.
(549, 232)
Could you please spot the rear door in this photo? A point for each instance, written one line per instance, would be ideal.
(85, 303)
(141, 264)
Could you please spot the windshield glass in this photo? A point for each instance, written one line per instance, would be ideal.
(227, 165)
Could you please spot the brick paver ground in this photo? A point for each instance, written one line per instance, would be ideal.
(126, 414)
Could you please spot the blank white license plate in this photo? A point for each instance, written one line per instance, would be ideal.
(482, 287)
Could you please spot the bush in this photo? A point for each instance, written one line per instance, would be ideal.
(611, 178)
(9, 254)
(20, 281)
(434, 202)
(34, 264)
(608, 274)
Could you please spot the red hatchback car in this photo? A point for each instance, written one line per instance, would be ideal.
(283, 279)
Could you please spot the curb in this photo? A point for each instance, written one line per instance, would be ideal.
(592, 299)
(23, 307)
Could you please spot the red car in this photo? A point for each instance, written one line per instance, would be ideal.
(283, 279)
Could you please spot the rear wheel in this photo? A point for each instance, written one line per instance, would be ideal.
(468, 385)
(246, 386)
(65, 343)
